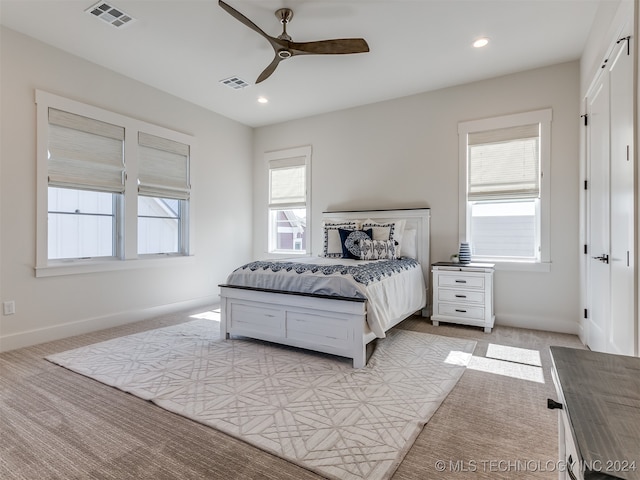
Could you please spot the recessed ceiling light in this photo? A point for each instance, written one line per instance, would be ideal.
(481, 42)
(263, 100)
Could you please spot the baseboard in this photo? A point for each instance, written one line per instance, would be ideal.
(582, 333)
(548, 324)
(70, 329)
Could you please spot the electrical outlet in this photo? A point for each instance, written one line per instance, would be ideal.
(9, 307)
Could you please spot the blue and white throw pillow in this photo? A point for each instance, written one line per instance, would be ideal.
(378, 250)
(391, 230)
(332, 245)
(381, 231)
(350, 240)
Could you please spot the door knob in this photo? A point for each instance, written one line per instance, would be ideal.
(604, 258)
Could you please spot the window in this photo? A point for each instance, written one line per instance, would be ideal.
(160, 225)
(110, 188)
(82, 224)
(163, 193)
(86, 179)
(289, 173)
(505, 187)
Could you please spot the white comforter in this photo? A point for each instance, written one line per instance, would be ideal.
(392, 298)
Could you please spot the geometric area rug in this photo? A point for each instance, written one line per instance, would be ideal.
(309, 408)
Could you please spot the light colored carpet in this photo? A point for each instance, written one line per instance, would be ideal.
(311, 409)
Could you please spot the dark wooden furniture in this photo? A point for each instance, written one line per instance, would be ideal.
(599, 414)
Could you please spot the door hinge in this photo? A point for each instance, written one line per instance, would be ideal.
(586, 184)
(585, 249)
(585, 313)
(628, 153)
(586, 119)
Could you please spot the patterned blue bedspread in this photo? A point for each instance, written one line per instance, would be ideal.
(365, 273)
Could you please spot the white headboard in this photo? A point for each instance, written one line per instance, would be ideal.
(417, 218)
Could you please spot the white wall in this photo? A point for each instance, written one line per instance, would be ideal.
(404, 153)
(54, 307)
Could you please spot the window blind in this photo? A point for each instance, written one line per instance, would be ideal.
(504, 163)
(164, 167)
(84, 153)
(287, 182)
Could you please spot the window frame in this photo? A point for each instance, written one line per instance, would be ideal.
(280, 156)
(542, 117)
(126, 242)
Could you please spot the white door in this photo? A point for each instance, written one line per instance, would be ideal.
(621, 334)
(598, 288)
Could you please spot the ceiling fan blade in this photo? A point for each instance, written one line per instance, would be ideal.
(330, 47)
(283, 46)
(266, 73)
(242, 19)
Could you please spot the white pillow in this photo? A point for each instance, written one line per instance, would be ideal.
(409, 248)
(332, 247)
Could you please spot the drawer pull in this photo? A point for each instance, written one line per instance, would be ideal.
(552, 404)
(461, 296)
(269, 315)
(461, 281)
(570, 468)
(460, 310)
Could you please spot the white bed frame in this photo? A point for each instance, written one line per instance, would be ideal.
(334, 325)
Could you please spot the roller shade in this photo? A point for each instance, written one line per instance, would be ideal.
(287, 182)
(504, 163)
(84, 153)
(164, 167)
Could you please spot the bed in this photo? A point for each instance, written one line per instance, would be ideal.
(331, 304)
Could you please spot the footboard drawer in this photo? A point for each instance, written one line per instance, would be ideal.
(317, 329)
(251, 319)
(337, 326)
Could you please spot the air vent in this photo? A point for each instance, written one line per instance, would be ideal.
(234, 82)
(110, 14)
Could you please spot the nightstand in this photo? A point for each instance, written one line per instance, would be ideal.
(463, 293)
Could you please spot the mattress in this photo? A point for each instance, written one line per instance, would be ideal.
(393, 289)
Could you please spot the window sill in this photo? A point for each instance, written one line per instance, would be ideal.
(284, 254)
(75, 267)
(542, 267)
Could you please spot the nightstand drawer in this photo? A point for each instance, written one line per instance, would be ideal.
(461, 296)
(460, 281)
(461, 311)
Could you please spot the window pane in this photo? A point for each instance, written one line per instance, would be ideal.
(288, 229)
(81, 224)
(159, 224)
(504, 229)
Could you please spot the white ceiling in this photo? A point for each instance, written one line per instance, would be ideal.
(185, 47)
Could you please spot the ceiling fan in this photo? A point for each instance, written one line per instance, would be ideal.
(285, 48)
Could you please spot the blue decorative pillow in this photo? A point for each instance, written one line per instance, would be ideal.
(350, 240)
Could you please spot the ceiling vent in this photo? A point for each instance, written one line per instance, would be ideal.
(110, 14)
(234, 82)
